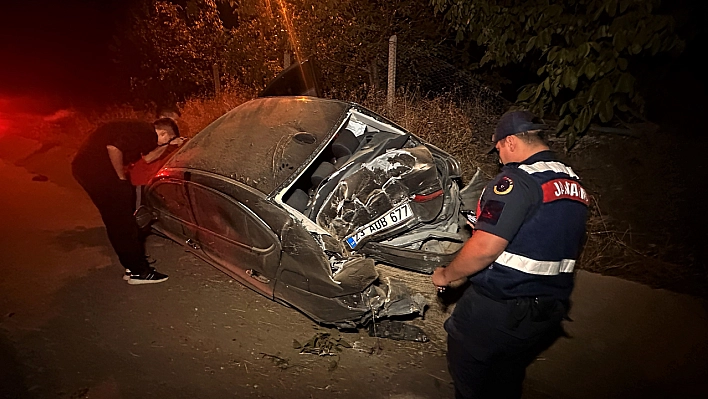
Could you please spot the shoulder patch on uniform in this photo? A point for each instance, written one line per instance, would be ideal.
(504, 186)
(491, 211)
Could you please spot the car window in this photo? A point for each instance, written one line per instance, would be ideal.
(228, 218)
(169, 197)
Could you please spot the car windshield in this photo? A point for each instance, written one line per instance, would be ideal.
(263, 142)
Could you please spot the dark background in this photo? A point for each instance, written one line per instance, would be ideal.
(61, 49)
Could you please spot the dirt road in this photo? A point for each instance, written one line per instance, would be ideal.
(71, 328)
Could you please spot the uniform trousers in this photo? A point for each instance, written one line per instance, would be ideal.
(115, 200)
(491, 342)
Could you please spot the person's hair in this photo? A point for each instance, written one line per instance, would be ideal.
(532, 138)
(167, 123)
(164, 110)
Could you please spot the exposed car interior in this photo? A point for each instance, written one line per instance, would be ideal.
(362, 136)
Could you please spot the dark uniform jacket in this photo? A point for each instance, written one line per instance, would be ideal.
(540, 207)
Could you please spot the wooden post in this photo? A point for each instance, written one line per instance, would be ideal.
(217, 83)
(391, 91)
(286, 59)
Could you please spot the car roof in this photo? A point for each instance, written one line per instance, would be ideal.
(263, 141)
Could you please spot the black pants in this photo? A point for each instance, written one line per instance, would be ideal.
(115, 200)
(490, 343)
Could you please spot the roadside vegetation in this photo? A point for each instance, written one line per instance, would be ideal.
(454, 60)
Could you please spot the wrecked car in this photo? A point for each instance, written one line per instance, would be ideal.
(298, 197)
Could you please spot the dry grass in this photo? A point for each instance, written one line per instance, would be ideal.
(460, 128)
(70, 127)
(199, 112)
(613, 252)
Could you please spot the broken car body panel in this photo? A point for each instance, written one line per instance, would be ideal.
(297, 196)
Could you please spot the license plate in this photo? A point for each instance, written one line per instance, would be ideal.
(393, 218)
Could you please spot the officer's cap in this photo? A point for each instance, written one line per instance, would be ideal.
(515, 122)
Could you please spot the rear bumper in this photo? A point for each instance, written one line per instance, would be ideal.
(410, 259)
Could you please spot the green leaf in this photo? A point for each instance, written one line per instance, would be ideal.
(604, 90)
(584, 49)
(526, 93)
(560, 125)
(611, 7)
(623, 5)
(547, 84)
(552, 55)
(530, 44)
(582, 121)
(555, 87)
(568, 120)
(619, 41)
(541, 70)
(606, 112)
(597, 14)
(570, 140)
(539, 88)
(622, 63)
(573, 105)
(566, 77)
(590, 70)
(625, 84)
(573, 79)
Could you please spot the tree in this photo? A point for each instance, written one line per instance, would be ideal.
(581, 50)
(350, 38)
(177, 41)
(174, 47)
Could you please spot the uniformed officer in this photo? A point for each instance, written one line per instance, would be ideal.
(519, 260)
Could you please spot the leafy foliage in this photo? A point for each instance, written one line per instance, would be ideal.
(177, 42)
(258, 40)
(351, 38)
(174, 47)
(581, 50)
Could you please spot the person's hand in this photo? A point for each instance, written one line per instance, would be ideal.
(178, 141)
(439, 279)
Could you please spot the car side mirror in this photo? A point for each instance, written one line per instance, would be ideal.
(145, 216)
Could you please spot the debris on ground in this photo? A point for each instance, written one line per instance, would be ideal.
(398, 330)
(280, 362)
(322, 344)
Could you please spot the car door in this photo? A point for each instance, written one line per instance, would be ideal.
(169, 198)
(235, 238)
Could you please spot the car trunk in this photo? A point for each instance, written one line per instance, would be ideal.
(383, 192)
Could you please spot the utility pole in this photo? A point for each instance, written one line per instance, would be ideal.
(391, 91)
(217, 83)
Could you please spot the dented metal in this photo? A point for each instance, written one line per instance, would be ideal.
(334, 186)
